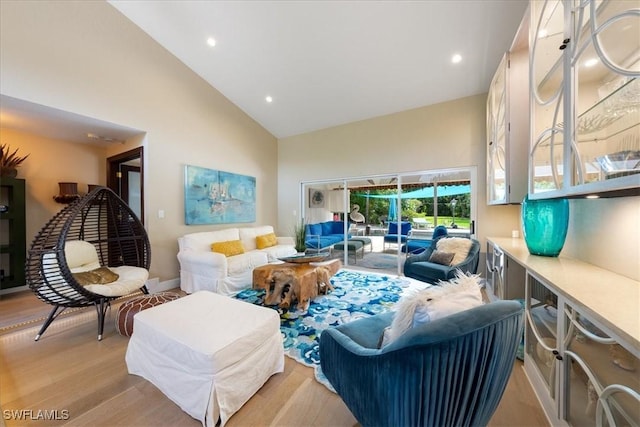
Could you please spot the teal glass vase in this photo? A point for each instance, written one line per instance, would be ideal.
(545, 223)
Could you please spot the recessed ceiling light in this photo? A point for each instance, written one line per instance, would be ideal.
(268, 99)
(543, 33)
(456, 58)
(211, 41)
(593, 196)
(590, 62)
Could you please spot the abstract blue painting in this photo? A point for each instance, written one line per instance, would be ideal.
(217, 197)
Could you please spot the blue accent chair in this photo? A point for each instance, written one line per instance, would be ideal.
(418, 266)
(450, 372)
(417, 246)
(392, 233)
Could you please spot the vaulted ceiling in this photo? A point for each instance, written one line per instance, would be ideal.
(326, 63)
(323, 63)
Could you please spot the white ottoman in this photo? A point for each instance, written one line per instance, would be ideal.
(206, 352)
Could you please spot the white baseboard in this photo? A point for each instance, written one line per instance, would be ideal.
(155, 286)
(18, 289)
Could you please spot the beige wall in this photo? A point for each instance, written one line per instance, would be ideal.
(88, 59)
(441, 136)
(45, 167)
(604, 232)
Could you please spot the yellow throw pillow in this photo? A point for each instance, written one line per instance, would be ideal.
(228, 248)
(266, 241)
(99, 276)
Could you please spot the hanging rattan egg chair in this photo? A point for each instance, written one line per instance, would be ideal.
(89, 253)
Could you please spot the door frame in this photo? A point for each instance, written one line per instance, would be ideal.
(113, 167)
(399, 178)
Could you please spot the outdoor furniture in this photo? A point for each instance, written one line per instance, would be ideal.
(355, 230)
(415, 246)
(366, 241)
(323, 235)
(449, 372)
(207, 352)
(356, 216)
(392, 233)
(355, 245)
(419, 267)
(421, 223)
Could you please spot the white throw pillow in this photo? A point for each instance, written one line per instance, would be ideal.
(447, 298)
(459, 246)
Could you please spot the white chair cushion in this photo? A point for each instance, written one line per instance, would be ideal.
(131, 279)
(81, 256)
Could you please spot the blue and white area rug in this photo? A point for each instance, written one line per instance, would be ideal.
(356, 295)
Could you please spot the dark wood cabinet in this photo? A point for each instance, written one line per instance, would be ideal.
(13, 245)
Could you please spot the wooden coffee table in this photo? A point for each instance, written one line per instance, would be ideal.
(305, 258)
(305, 272)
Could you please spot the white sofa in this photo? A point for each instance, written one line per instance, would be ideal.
(202, 269)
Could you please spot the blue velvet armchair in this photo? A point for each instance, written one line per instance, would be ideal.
(450, 372)
(392, 233)
(418, 266)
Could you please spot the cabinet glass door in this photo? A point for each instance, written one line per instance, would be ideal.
(541, 331)
(597, 367)
(546, 80)
(605, 63)
(497, 135)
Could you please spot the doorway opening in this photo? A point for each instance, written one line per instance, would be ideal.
(125, 176)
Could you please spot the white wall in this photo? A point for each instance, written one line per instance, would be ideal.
(87, 58)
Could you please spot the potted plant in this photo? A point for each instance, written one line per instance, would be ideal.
(9, 162)
(300, 235)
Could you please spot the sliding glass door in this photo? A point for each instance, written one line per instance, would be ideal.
(390, 214)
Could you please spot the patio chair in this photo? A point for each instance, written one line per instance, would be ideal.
(416, 246)
(392, 233)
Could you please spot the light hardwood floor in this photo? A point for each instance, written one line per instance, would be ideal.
(86, 382)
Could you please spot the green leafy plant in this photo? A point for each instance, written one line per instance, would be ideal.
(300, 235)
(9, 161)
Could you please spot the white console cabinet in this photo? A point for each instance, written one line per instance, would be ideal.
(582, 339)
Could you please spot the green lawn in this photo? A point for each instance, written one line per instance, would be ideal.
(447, 220)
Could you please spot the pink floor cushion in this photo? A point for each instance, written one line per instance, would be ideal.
(124, 319)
